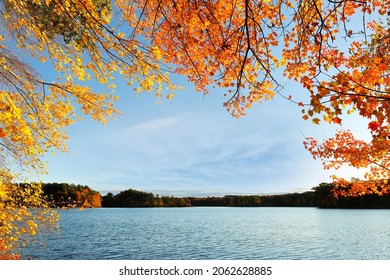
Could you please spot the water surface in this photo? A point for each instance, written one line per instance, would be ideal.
(217, 233)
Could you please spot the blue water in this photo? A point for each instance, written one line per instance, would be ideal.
(217, 233)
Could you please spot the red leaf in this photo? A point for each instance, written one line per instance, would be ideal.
(373, 126)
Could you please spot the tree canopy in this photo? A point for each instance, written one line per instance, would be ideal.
(337, 50)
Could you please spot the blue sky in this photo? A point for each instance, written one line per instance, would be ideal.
(191, 145)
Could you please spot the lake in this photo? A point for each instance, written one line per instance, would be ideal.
(216, 233)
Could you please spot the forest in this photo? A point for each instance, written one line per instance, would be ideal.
(320, 196)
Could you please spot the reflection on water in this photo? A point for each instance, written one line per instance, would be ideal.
(218, 233)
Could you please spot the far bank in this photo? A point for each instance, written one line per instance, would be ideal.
(63, 195)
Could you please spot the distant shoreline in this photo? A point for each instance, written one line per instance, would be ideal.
(78, 196)
(320, 197)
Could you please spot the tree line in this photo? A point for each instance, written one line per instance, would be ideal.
(321, 196)
(71, 195)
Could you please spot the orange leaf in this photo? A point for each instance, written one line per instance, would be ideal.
(316, 121)
(336, 120)
(2, 133)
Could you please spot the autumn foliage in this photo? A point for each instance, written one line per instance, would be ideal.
(337, 51)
